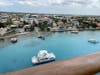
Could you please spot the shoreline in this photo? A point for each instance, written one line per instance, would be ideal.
(24, 33)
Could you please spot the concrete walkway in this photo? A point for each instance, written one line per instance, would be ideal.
(83, 65)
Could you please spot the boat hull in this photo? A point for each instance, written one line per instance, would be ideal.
(44, 62)
(41, 37)
(14, 41)
(93, 42)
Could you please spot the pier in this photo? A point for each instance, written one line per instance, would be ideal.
(82, 65)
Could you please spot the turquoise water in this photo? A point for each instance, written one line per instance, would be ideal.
(64, 45)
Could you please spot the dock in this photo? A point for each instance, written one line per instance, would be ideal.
(82, 65)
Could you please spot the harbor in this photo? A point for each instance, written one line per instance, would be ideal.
(49, 37)
(64, 45)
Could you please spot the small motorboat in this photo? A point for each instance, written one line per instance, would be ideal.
(13, 40)
(41, 37)
(93, 41)
(43, 57)
(74, 31)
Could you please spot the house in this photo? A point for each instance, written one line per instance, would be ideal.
(54, 27)
(27, 27)
(98, 26)
(3, 31)
(16, 22)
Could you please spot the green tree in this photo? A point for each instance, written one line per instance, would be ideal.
(2, 25)
(93, 25)
(24, 23)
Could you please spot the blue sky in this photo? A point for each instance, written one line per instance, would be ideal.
(81, 7)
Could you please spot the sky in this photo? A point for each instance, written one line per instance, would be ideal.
(75, 7)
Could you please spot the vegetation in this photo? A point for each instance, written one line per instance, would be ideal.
(2, 25)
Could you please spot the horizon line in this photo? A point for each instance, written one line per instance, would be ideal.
(46, 13)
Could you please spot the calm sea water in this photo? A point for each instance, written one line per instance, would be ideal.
(64, 45)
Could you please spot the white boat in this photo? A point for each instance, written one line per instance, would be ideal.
(13, 40)
(93, 41)
(74, 31)
(43, 57)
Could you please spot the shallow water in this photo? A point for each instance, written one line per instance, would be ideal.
(64, 45)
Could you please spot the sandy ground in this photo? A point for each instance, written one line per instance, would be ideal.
(83, 65)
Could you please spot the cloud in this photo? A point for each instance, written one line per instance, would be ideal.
(73, 3)
(7, 3)
(84, 3)
(52, 6)
(39, 2)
